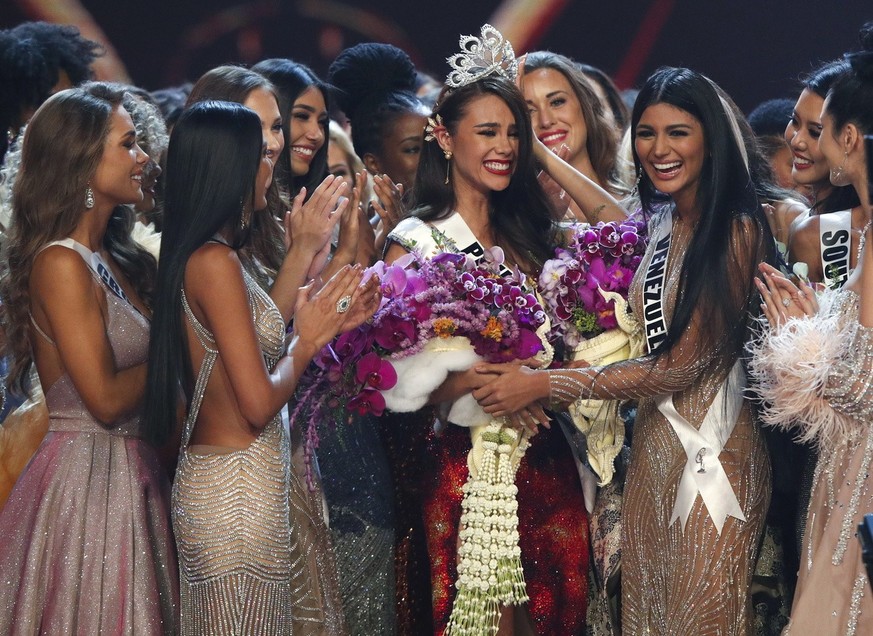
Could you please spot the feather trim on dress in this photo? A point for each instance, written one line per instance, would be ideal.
(791, 366)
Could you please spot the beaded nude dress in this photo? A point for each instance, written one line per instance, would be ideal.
(815, 378)
(675, 580)
(254, 556)
(85, 541)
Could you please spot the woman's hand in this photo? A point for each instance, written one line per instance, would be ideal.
(319, 319)
(367, 301)
(388, 205)
(347, 243)
(783, 300)
(516, 388)
(309, 225)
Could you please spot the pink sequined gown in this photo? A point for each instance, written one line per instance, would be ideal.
(85, 543)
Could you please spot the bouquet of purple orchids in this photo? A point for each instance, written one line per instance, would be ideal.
(599, 257)
(449, 296)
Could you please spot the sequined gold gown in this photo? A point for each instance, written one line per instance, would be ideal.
(695, 581)
(253, 549)
(815, 376)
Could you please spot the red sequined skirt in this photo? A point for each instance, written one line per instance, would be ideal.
(553, 528)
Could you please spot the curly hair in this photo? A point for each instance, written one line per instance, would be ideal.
(62, 149)
(32, 56)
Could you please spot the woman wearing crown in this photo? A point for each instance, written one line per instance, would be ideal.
(476, 189)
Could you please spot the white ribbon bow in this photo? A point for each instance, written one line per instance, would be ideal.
(703, 471)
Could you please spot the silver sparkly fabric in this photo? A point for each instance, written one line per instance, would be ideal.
(85, 543)
(832, 595)
(357, 485)
(251, 549)
(694, 581)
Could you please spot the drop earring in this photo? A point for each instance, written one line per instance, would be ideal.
(89, 198)
(448, 156)
(243, 221)
(635, 191)
(838, 174)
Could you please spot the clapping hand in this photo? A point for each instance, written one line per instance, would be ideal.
(388, 205)
(782, 299)
(308, 226)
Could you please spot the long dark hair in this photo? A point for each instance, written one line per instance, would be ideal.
(851, 97)
(520, 215)
(820, 81)
(266, 251)
(290, 80)
(732, 235)
(63, 147)
(212, 163)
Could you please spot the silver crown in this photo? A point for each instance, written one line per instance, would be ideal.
(481, 57)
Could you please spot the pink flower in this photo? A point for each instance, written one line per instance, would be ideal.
(374, 372)
(368, 401)
(393, 332)
(351, 345)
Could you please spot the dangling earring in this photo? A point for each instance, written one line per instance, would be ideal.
(243, 221)
(448, 156)
(89, 198)
(635, 191)
(838, 174)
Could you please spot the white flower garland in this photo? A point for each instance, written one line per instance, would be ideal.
(490, 574)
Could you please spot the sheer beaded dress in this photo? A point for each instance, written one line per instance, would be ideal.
(675, 581)
(816, 377)
(251, 545)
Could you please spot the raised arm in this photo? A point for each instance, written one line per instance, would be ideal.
(308, 227)
(224, 310)
(595, 202)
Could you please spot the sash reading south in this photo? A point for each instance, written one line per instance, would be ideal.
(653, 286)
(835, 232)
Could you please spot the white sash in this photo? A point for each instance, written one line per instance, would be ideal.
(456, 228)
(835, 234)
(97, 265)
(703, 471)
(653, 285)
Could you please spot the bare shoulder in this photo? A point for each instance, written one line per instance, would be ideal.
(790, 210)
(60, 271)
(211, 264)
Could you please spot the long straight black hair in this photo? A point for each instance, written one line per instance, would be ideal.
(521, 215)
(290, 79)
(732, 234)
(212, 163)
(820, 82)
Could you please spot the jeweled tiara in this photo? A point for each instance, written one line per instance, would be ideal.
(481, 57)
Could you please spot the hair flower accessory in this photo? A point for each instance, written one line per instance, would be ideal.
(433, 124)
(480, 57)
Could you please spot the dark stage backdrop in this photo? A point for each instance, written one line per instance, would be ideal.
(754, 49)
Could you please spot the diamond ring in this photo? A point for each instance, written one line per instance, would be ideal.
(343, 304)
(785, 302)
